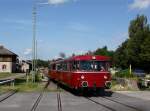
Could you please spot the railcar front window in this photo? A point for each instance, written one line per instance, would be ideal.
(93, 65)
(86, 65)
(100, 66)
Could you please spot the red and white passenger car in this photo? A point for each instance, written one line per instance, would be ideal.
(82, 72)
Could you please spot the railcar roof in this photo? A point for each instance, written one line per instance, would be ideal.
(84, 57)
(90, 57)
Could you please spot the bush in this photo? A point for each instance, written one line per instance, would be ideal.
(37, 77)
(124, 73)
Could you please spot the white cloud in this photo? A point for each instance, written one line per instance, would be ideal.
(140, 4)
(57, 2)
(27, 51)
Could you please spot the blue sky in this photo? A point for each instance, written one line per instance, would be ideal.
(69, 26)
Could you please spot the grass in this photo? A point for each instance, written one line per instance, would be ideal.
(125, 74)
(3, 90)
(5, 75)
(29, 87)
(22, 86)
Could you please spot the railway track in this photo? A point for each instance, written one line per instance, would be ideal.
(36, 103)
(132, 107)
(110, 108)
(59, 102)
(8, 94)
(98, 103)
(105, 98)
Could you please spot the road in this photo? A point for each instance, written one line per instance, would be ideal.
(116, 102)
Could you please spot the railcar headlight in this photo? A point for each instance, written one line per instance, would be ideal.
(82, 77)
(84, 84)
(105, 77)
(108, 84)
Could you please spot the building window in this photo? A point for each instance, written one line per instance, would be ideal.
(4, 67)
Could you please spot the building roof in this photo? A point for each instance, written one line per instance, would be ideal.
(4, 51)
(27, 61)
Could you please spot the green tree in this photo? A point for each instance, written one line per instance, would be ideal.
(104, 51)
(120, 58)
(145, 53)
(136, 49)
(138, 32)
(42, 63)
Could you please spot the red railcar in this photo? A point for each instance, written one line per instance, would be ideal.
(82, 72)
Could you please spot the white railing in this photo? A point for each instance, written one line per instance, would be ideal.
(8, 81)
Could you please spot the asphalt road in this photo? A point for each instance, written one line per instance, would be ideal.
(117, 102)
(48, 101)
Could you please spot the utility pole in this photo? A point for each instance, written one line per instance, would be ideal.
(36, 67)
(34, 43)
(36, 53)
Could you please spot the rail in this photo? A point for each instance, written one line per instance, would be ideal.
(112, 100)
(9, 94)
(36, 103)
(59, 102)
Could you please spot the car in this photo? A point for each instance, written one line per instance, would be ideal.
(139, 73)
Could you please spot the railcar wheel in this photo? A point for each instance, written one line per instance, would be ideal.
(100, 91)
(76, 92)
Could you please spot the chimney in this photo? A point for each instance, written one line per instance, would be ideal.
(1, 46)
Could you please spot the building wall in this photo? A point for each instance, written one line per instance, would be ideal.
(5, 58)
(13, 67)
(25, 67)
(8, 68)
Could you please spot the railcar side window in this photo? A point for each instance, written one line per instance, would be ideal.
(58, 67)
(64, 66)
(75, 65)
(54, 67)
(49, 67)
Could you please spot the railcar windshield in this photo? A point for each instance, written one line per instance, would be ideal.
(94, 65)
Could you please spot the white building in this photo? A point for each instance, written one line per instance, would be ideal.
(7, 60)
(25, 65)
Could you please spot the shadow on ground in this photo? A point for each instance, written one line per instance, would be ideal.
(84, 93)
